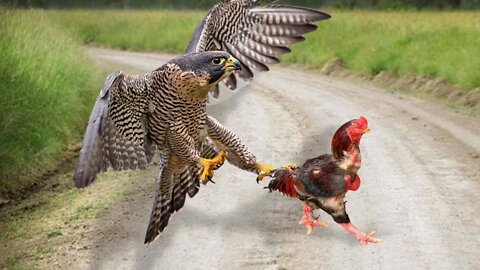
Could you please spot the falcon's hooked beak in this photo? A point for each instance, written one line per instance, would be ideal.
(229, 65)
(232, 64)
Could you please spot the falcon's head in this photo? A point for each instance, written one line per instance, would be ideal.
(196, 73)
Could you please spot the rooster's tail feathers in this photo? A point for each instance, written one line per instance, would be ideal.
(283, 181)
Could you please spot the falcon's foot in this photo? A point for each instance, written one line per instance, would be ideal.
(363, 238)
(291, 166)
(268, 170)
(211, 164)
(309, 221)
(263, 171)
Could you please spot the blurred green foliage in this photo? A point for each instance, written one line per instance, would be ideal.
(47, 90)
(206, 4)
(166, 31)
(439, 44)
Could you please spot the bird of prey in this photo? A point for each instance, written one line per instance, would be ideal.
(164, 110)
(322, 182)
(254, 34)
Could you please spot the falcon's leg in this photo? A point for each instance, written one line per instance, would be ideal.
(240, 157)
(309, 221)
(210, 164)
(183, 146)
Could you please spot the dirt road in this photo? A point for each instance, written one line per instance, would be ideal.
(420, 185)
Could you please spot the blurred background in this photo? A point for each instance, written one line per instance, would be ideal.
(206, 4)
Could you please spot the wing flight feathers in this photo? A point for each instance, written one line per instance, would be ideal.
(256, 35)
(107, 145)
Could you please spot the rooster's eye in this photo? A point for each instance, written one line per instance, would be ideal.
(217, 61)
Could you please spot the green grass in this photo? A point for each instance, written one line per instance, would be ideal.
(86, 211)
(16, 262)
(47, 90)
(166, 31)
(55, 232)
(439, 44)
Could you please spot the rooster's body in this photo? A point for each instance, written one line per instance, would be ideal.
(322, 182)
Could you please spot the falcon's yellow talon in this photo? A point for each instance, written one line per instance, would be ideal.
(291, 166)
(210, 164)
(266, 169)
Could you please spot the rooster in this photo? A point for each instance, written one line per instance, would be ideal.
(322, 182)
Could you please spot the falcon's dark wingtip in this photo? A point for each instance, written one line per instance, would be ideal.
(321, 16)
(311, 14)
(81, 181)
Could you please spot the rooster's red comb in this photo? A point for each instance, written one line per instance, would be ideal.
(361, 123)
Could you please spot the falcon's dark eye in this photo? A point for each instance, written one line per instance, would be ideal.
(217, 61)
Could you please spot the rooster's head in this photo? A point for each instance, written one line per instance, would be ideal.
(349, 133)
(357, 128)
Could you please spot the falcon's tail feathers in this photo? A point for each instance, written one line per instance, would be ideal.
(166, 203)
(283, 182)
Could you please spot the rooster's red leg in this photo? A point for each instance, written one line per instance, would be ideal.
(309, 221)
(362, 237)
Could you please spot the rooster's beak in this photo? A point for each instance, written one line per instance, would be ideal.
(367, 130)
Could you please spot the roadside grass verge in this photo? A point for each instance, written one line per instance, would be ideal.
(436, 44)
(166, 31)
(47, 89)
(39, 232)
(433, 44)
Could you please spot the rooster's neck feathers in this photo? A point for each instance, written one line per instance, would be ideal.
(348, 135)
(341, 141)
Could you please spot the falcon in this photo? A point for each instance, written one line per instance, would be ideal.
(254, 34)
(165, 110)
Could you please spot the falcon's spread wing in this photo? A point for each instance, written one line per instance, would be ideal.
(256, 35)
(116, 134)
